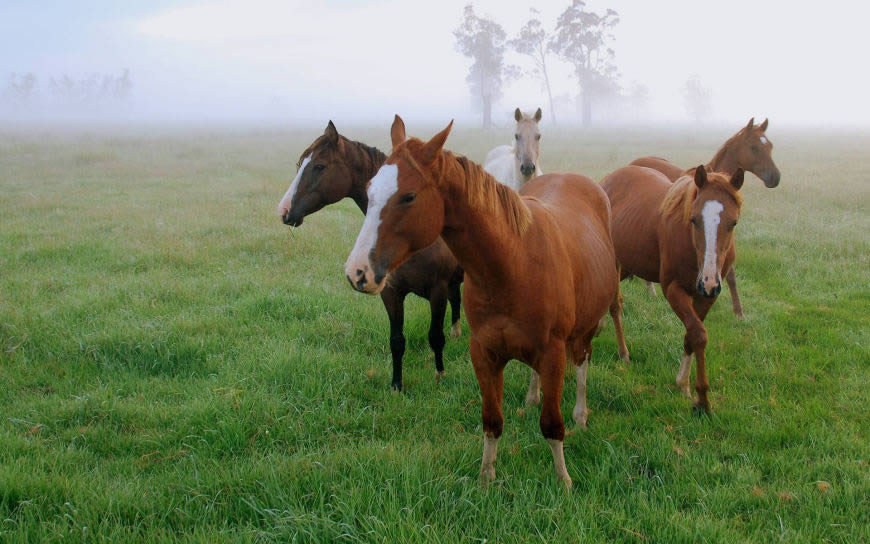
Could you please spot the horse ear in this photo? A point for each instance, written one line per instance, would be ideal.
(763, 126)
(700, 176)
(331, 133)
(433, 147)
(518, 115)
(397, 131)
(749, 126)
(538, 115)
(737, 179)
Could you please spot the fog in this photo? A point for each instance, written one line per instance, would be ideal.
(362, 61)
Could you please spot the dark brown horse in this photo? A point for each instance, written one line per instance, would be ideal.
(749, 150)
(540, 268)
(333, 168)
(681, 235)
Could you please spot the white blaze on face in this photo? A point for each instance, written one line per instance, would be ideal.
(383, 186)
(710, 213)
(287, 199)
(763, 140)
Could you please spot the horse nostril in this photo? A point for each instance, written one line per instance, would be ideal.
(717, 290)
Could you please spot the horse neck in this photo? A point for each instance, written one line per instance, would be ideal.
(365, 162)
(725, 159)
(480, 237)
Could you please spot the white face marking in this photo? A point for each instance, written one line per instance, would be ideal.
(383, 186)
(710, 212)
(287, 199)
(763, 140)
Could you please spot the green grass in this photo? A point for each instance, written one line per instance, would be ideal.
(177, 365)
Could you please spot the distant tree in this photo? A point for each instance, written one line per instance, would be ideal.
(638, 99)
(582, 39)
(484, 41)
(534, 42)
(697, 98)
(20, 90)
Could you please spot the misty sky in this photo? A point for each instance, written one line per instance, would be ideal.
(795, 62)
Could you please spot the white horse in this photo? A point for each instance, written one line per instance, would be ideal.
(514, 165)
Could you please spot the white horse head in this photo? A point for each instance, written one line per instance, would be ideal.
(527, 143)
(514, 165)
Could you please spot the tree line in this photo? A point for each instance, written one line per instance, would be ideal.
(581, 38)
(87, 93)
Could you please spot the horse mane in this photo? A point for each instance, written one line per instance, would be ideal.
(357, 151)
(482, 190)
(682, 193)
(719, 156)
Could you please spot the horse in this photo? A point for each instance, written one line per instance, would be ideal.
(749, 149)
(540, 270)
(680, 235)
(334, 167)
(514, 165)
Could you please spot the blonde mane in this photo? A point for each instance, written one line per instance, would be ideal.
(484, 193)
(681, 195)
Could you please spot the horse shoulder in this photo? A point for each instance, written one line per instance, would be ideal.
(503, 169)
(498, 152)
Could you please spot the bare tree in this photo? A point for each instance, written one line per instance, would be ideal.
(697, 98)
(20, 90)
(582, 39)
(484, 41)
(638, 99)
(534, 41)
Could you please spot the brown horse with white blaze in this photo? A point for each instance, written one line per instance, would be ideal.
(680, 235)
(334, 167)
(750, 150)
(540, 270)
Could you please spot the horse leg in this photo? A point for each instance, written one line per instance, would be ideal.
(731, 279)
(455, 296)
(490, 377)
(394, 302)
(533, 396)
(616, 315)
(438, 305)
(702, 305)
(551, 367)
(581, 357)
(651, 288)
(694, 342)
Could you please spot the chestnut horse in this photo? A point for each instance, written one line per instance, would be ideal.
(516, 164)
(333, 168)
(750, 150)
(680, 235)
(540, 268)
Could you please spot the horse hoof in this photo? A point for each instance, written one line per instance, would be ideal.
(739, 314)
(567, 483)
(456, 330)
(438, 375)
(397, 388)
(580, 418)
(487, 475)
(533, 400)
(701, 409)
(625, 358)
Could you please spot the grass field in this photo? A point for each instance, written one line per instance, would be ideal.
(178, 365)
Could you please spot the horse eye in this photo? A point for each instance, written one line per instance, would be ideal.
(695, 221)
(517, 136)
(537, 136)
(319, 167)
(407, 198)
(754, 148)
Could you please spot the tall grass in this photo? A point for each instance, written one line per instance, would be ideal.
(177, 365)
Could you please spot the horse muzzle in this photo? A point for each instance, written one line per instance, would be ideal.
(291, 219)
(709, 289)
(771, 179)
(527, 169)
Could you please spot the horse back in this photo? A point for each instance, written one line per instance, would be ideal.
(581, 212)
(666, 167)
